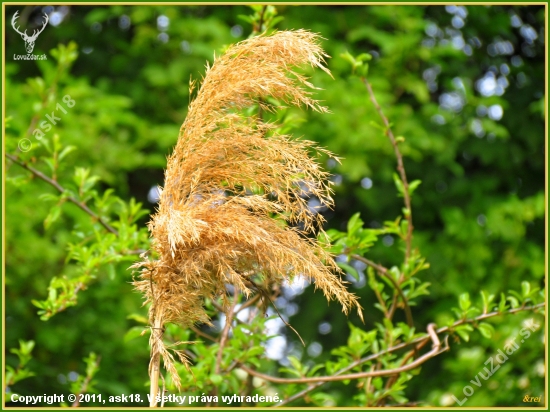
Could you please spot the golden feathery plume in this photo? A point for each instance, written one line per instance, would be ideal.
(234, 191)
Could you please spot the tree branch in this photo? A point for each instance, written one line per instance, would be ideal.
(405, 344)
(204, 335)
(392, 379)
(225, 333)
(400, 167)
(436, 350)
(61, 189)
(406, 195)
(384, 272)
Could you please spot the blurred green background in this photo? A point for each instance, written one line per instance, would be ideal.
(464, 85)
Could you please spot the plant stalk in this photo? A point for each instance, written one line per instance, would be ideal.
(154, 367)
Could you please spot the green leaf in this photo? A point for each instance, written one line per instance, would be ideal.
(463, 332)
(92, 365)
(377, 383)
(26, 347)
(246, 19)
(138, 318)
(52, 295)
(399, 185)
(420, 290)
(486, 329)
(525, 289)
(395, 272)
(216, 379)
(66, 150)
(364, 57)
(48, 197)
(50, 162)
(373, 281)
(514, 303)
(295, 362)
(80, 175)
(132, 333)
(111, 271)
(349, 58)
(354, 224)
(413, 185)
(464, 301)
(487, 300)
(350, 270)
(54, 214)
(502, 306)
(255, 351)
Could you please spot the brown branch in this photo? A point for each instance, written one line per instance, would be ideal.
(384, 272)
(393, 305)
(264, 9)
(406, 195)
(392, 379)
(405, 344)
(266, 295)
(219, 308)
(436, 350)
(225, 333)
(248, 303)
(229, 314)
(204, 335)
(61, 189)
(400, 167)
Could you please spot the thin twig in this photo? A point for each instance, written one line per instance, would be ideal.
(436, 350)
(382, 303)
(223, 339)
(263, 294)
(384, 272)
(61, 189)
(225, 333)
(84, 387)
(406, 195)
(400, 167)
(261, 23)
(219, 308)
(405, 344)
(391, 380)
(248, 303)
(203, 334)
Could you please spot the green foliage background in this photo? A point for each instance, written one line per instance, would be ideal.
(478, 214)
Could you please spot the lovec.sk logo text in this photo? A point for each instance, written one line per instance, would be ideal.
(29, 40)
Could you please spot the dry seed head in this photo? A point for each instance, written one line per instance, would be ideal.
(232, 182)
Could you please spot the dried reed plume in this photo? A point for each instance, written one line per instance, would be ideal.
(234, 192)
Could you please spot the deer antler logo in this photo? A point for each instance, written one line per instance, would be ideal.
(29, 40)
